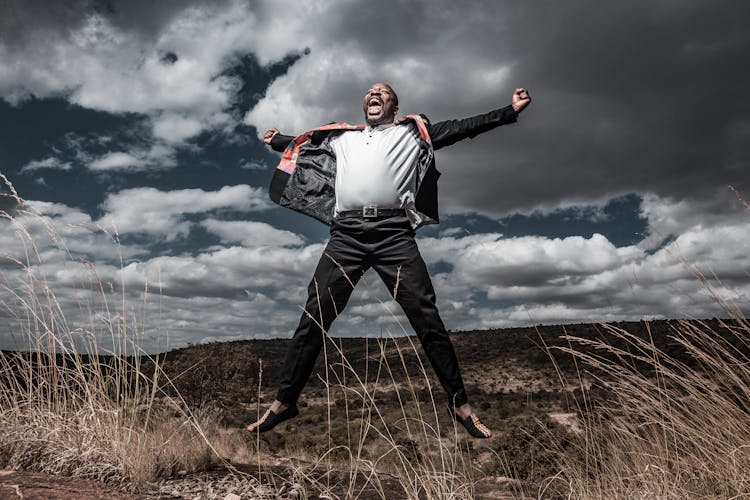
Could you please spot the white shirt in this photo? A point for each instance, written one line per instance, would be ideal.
(377, 166)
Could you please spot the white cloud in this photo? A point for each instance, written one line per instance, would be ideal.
(251, 234)
(328, 93)
(47, 163)
(173, 127)
(101, 64)
(173, 300)
(257, 287)
(118, 71)
(451, 231)
(671, 217)
(53, 227)
(160, 213)
(158, 155)
(227, 272)
(535, 279)
(116, 161)
(536, 259)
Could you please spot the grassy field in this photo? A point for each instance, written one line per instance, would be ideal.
(655, 409)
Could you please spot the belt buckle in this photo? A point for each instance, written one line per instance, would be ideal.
(370, 211)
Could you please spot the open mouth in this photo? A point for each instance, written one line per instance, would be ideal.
(374, 105)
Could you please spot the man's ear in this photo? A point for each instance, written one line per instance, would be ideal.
(395, 111)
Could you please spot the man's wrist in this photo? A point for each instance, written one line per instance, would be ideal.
(518, 107)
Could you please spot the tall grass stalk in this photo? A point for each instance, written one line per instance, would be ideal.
(674, 427)
(69, 406)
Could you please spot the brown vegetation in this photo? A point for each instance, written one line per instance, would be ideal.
(377, 414)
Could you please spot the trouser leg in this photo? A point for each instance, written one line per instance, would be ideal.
(338, 271)
(404, 272)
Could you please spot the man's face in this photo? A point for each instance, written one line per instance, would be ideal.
(380, 105)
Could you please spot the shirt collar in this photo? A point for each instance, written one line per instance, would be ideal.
(381, 127)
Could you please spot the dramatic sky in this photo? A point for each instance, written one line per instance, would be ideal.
(130, 130)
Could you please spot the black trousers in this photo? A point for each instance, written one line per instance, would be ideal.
(388, 246)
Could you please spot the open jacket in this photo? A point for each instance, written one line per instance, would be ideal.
(305, 178)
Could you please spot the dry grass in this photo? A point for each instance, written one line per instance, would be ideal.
(68, 408)
(676, 429)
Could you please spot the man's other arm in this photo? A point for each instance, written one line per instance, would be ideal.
(449, 132)
(276, 139)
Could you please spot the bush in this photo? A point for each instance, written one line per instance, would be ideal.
(528, 448)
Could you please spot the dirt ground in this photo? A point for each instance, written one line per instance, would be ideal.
(36, 486)
(220, 484)
(275, 482)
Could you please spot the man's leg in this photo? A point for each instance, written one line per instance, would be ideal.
(328, 292)
(402, 269)
(338, 271)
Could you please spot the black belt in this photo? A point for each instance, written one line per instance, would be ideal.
(371, 212)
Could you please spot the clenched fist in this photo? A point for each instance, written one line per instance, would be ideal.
(520, 100)
(269, 135)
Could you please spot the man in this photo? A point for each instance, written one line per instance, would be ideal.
(375, 185)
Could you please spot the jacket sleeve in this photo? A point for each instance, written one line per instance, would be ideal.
(280, 142)
(449, 132)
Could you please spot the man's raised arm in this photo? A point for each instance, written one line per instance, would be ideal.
(449, 132)
(276, 139)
